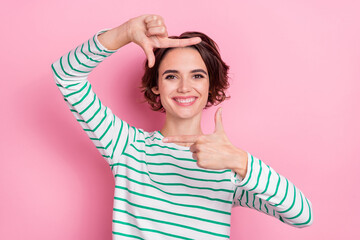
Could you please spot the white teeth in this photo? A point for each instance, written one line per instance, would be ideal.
(185, 100)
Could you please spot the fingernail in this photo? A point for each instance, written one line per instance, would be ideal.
(165, 140)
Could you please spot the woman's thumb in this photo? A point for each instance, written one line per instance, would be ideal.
(149, 55)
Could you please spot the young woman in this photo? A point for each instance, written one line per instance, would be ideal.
(176, 183)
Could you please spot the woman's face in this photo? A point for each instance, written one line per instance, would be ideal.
(183, 83)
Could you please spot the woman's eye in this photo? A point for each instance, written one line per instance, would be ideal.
(198, 76)
(170, 77)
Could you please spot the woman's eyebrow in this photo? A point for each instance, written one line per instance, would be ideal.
(170, 71)
(192, 71)
(198, 70)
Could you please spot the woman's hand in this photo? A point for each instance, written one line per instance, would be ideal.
(214, 151)
(149, 32)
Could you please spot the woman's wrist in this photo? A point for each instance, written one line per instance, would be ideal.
(240, 163)
(115, 38)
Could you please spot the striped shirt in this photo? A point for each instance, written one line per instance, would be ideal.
(160, 192)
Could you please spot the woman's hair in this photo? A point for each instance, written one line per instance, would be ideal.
(217, 69)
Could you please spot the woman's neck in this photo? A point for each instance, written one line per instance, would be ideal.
(178, 126)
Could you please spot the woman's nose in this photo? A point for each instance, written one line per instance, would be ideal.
(184, 85)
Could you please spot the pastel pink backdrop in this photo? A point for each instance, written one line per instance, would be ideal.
(294, 104)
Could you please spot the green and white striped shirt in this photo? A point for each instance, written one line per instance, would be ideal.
(160, 192)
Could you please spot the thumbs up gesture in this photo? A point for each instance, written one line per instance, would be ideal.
(214, 151)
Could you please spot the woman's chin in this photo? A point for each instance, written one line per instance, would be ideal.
(186, 114)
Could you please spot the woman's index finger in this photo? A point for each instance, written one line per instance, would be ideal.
(182, 42)
(181, 139)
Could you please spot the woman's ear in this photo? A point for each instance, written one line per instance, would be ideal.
(155, 90)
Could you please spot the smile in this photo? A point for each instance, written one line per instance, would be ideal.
(184, 101)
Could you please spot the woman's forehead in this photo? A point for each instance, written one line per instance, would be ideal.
(182, 59)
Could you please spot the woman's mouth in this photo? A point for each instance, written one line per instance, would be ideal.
(185, 101)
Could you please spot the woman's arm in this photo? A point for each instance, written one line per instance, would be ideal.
(109, 133)
(258, 186)
(267, 191)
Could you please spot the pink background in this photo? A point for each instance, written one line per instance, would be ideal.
(295, 104)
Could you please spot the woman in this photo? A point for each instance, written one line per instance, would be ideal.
(176, 183)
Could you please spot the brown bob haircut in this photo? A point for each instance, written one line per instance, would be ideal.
(217, 69)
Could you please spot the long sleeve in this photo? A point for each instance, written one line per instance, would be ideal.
(267, 191)
(109, 133)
